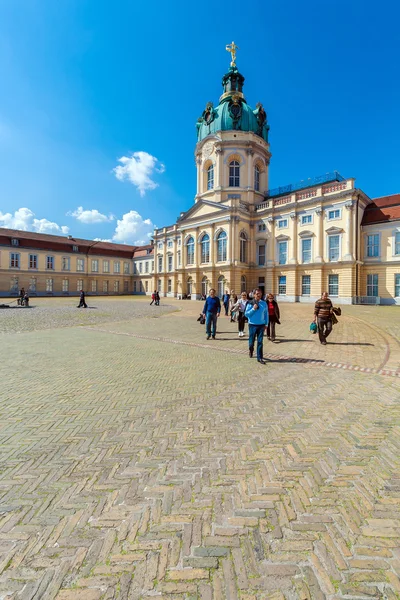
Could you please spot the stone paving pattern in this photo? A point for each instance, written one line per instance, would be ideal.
(139, 459)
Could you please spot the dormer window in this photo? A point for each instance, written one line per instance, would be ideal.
(75, 249)
(14, 242)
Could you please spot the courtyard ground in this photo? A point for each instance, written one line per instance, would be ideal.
(139, 459)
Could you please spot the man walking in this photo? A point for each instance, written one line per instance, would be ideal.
(153, 297)
(211, 311)
(82, 300)
(257, 315)
(323, 313)
(225, 300)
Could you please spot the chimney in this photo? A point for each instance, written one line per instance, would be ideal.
(70, 237)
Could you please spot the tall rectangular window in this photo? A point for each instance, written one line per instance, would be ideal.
(397, 285)
(80, 264)
(146, 286)
(106, 266)
(65, 285)
(169, 285)
(50, 263)
(234, 174)
(160, 285)
(105, 287)
(372, 285)
(14, 260)
(170, 262)
(94, 285)
(95, 266)
(397, 243)
(116, 286)
(79, 285)
(126, 268)
(261, 255)
(65, 263)
(333, 285)
(282, 285)
(146, 266)
(126, 287)
(160, 261)
(117, 267)
(282, 252)
(306, 285)
(373, 245)
(49, 285)
(179, 257)
(140, 267)
(33, 261)
(333, 247)
(306, 250)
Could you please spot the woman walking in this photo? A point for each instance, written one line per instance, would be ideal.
(232, 302)
(239, 309)
(274, 314)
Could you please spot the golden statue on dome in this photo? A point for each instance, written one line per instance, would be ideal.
(232, 49)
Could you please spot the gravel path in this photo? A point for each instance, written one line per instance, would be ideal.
(46, 313)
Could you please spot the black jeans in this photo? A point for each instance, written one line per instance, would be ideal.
(324, 328)
(226, 306)
(271, 330)
(241, 321)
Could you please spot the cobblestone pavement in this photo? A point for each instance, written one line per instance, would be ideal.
(139, 459)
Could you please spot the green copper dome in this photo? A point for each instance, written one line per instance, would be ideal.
(232, 112)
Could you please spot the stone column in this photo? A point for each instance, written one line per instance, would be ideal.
(230, 241)
(294, 259)
(250, 154)
(199, 173)
(320, 236)
(212, 245)
(218, 182)
(270, 258)
(349, 230)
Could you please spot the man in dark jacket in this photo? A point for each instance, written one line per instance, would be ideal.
(225, 300)
(323, 313)
(211, 311)
(82, 300)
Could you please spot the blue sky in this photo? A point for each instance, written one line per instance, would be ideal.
(88, 82)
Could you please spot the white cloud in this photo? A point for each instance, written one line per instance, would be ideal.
(139, 169)
(101, 240)
(24, 219)
(90, 216)
(133, 229)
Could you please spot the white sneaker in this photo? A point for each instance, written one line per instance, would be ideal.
(240, 334)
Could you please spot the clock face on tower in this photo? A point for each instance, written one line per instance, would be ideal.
(207, 150)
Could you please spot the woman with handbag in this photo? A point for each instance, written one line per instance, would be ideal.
(274, 315)
(239, 308)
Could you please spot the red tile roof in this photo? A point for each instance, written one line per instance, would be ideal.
(382, 210)
(59, 243)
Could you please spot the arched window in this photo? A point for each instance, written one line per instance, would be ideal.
(234, 174)
(205, 248)
(221, 246)
(243, 247)
(257, 178)
(190, 251)
(204, 286)
(221, 281)
(210, 177)
(243, 284)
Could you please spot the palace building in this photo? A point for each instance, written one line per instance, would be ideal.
(294, 241)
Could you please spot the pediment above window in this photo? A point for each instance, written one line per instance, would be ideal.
(306, 234)
(282, 238)
(334, 230)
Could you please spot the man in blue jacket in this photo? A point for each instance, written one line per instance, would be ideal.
(211, 311)
(257, 315)
(225, 300)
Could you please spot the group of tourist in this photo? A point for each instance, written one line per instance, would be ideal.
(155, 298)
(262, 315)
